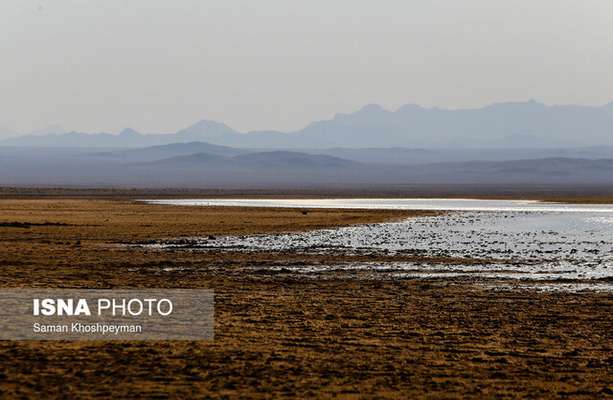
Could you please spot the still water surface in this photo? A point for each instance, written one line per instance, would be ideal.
(566, 245)
(399, 204)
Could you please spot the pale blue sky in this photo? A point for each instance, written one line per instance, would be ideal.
(277, 64)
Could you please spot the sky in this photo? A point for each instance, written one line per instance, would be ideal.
(160, 65)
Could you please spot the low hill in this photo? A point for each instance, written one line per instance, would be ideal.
(153, 153)
(269, 159)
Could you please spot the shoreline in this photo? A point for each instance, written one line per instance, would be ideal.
(284, 336)
(124, 219)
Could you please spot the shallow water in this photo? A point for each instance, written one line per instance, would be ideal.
(540, 242)
(398, 204)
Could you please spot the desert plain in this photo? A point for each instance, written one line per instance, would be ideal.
(280, 335)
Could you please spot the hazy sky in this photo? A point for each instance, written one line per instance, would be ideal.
(160, 65)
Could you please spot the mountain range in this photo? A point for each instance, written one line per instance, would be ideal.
(508, 143)
(504, 125)
(203, 165)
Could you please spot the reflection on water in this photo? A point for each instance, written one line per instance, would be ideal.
(542, 242)
(398, 204)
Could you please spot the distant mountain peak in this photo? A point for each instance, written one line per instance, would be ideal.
(129, 132)
(371, 108)
(366, 112)
(502, 125)
(209, 124)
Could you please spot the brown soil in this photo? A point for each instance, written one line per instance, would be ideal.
(282, 336)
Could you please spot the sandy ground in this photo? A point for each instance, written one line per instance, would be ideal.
(282, 336)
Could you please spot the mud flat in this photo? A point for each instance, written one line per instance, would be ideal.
(502, 240)
(284, 331)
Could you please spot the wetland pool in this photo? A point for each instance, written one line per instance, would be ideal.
(547, 246)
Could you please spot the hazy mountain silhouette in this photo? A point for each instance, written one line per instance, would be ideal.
(291, 159)
(197, 160)
(159, 152)
(504, 125)
(153, 167)
(406, 156)
(558, 169)
(126, 138)
(393, 155)
(529, 124)
(268, 159)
